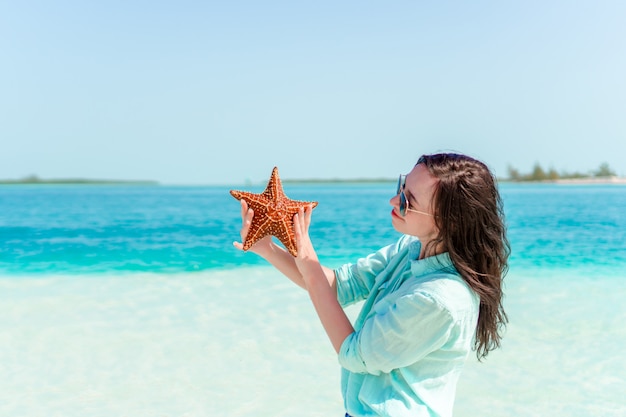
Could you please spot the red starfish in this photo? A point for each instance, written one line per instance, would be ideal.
(273, 214)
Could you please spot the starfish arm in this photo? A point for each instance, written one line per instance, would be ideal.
(258, 230)
(287, 236)
(274, 189)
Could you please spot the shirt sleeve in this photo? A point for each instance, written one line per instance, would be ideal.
(397, 335)
(355, 281)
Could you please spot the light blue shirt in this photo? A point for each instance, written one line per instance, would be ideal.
(413, 334)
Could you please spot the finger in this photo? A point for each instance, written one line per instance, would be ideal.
(246, 211)
(302, 219)
(297, 219)
(246, 221)
(307, 213)
(297, 226)
(244, 208)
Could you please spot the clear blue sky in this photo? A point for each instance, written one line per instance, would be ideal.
(208, 92)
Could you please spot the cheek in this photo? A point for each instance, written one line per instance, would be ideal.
(425, 229)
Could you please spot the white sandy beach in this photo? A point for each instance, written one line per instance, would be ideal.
(247, 343)
(592, 180)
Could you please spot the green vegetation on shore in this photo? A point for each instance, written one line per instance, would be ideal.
(540, 174)
(33, 179)
(604, 172)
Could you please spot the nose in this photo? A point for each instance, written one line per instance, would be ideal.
(395, 200)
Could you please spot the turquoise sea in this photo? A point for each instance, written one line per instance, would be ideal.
(131, 301)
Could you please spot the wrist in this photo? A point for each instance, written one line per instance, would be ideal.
(264, 251)
(312, 272)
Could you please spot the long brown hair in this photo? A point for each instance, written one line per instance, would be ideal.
(470, 217)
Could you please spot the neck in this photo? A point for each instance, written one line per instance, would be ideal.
(429, 249)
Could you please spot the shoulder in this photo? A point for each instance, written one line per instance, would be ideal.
(448, 291)
(401, 248)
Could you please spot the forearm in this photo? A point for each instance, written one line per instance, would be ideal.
(286, 264)
(324, 297)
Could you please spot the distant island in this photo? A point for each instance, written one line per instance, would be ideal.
(33, 179)
(604, 174)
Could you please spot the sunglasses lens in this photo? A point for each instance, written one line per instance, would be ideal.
(402, 207)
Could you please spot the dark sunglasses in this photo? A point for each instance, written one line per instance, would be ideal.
(404, 204)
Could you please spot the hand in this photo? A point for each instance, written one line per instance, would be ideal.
(246, 220)
(306, 261)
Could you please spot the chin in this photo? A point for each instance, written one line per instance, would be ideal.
(397, 226)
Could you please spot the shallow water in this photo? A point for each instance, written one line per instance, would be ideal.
(246, 342)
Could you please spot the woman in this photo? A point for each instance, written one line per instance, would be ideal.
(429, 298)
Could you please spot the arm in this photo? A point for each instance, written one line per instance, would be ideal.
(322, 291)
(405, 331)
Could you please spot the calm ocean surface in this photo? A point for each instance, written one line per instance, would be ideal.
(131, 301)
(105, 229)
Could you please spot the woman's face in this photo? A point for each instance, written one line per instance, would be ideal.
(419, 217)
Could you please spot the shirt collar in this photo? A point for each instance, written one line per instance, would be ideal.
(431, 264)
